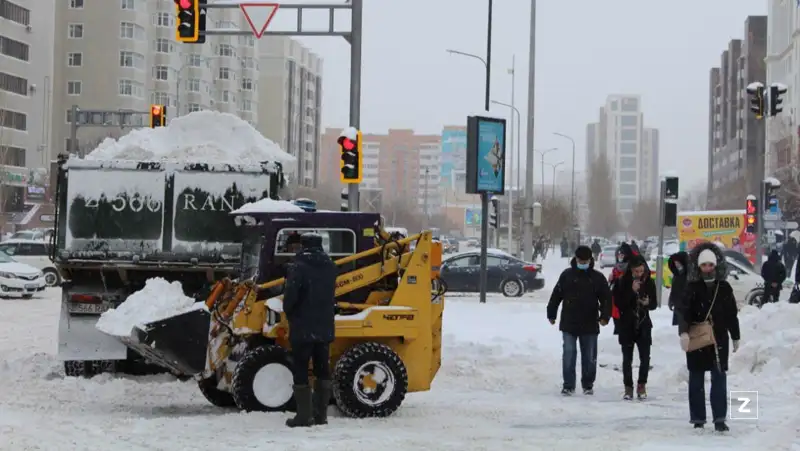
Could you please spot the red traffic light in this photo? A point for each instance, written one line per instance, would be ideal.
(751, 208)
(348, 144)
(156, 110)
(185, 4)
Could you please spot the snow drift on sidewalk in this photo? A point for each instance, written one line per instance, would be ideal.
(770, 346)
(158, 299)
(199, 137)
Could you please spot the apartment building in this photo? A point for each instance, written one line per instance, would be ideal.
(735, 141)
(290, 102)
(631, 150)
(783, 66)
(26, 63)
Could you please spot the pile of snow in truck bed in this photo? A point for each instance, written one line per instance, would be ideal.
(199, 137)
(158, 299)
(268, 205)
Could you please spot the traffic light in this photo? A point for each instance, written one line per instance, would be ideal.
(672, 188)
(771, 186)
(493, 213)
(158, 116)
(776, 91)
(351, 157)
(751, 215)
(756, 92)
(191, 21)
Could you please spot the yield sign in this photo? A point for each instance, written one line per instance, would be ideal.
(259, 15)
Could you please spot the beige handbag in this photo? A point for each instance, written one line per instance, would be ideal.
(701, 335)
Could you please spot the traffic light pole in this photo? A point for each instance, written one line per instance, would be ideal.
(102, 118)
(353, 37)
(662, 213)
(761, 209)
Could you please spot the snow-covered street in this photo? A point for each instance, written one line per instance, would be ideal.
(498, 389)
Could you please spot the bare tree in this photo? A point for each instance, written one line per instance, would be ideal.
(603, 219)
(729, 196)
(644, 220)
(555, 216)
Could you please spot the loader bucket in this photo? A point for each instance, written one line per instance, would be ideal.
(178, 343)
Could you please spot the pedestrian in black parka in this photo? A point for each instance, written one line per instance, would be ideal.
(708, 296)
(678, 265)
(596, 249)
(635, 296)
(774, 273)
(310, 306)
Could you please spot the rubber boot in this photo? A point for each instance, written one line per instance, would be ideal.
(303, 417)
(322, 397)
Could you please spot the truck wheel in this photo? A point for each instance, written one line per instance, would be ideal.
(75, 368)
(369, 380)
(262, 381)
(217, 397)
(51, 277)
(88, 368)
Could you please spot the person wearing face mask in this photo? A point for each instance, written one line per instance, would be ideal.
(677, 265)
(586, 300)
(708, 298)
(624, 254)
(634, 296)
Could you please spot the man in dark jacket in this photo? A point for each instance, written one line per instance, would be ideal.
(774, 273)
(587, 305)
(596, 249)
(790, 253)
(678, 264)
(310, 306)
(635, 295)
(635, 247)
(564, 247)
(708, 297)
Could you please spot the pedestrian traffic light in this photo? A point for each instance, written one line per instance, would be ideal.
(771, 187)
(493, 213)
(191, 21)
(776, 92)
(158, 116)
(351, 157)
(756, 92)
(751, 214)
(672, 188)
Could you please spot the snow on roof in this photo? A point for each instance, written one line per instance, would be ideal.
(711, 212)
(268, 205)
(200, 137)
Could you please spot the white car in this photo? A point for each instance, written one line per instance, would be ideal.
(34, 253)
(747, 284)
(608, 257)
(18, 279)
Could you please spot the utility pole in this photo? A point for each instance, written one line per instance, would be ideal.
(511, 158)
(527, 240)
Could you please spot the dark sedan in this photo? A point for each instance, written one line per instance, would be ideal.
(505, 274)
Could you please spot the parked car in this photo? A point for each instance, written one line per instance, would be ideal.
(748, 285)
(505, 273)
(39, 234)
(18, 279)
(34, 253)
(608, 257)
(739, 257)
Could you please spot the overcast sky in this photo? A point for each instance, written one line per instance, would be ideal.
(586, 50)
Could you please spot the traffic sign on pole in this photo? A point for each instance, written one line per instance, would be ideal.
(259, 15)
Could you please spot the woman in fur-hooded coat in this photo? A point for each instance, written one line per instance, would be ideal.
(694, 305)
(623, 255)
(679, 265)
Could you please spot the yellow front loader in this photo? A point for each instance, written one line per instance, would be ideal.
(384, 348)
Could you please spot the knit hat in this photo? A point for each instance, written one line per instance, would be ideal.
(707, 256)
(583, 253)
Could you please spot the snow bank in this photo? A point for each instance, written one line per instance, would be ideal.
(158, 299)
(770, 346)
(199, 137)
(268, 205)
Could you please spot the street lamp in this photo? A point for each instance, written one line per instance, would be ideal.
(485, 64)
(572, 190)
(554, 166)
(543, 153)
(518, 165)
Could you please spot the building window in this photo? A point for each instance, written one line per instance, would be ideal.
(627, 163)
(224, 73)
(193, 85)
(163, 46)
(75, 59)
(12, 119)
(627, 176)
(162, 19)
(627, 189)
(75, 4)
(13, 156)
(626, 203)
(628, 134)
(630, 104)
(130, 88)
(128, 30)
(192, 107)
(75, 31)
(131, 59)
(13, 84)
(129, 4)
(629, 121)
(160, 98)
(161, 73)
(225, 50)
(74, 88)
(227, 97)
(15, 13)
(247, 84)
(247, 105)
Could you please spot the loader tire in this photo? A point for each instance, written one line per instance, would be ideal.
(217, 397)
(369, 380)
(262, 381)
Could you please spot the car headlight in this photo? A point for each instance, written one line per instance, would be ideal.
(8, 275)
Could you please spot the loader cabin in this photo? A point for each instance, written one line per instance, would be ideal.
(267, 240)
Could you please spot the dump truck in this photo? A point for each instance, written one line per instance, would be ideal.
(119, 223)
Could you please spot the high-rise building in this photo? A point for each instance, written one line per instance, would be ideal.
(26, 65)
(782, 56)
(290, 102)
(630, 148)
(735, 136)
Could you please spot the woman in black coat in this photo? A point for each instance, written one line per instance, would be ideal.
(708, 291)
(678, 264)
